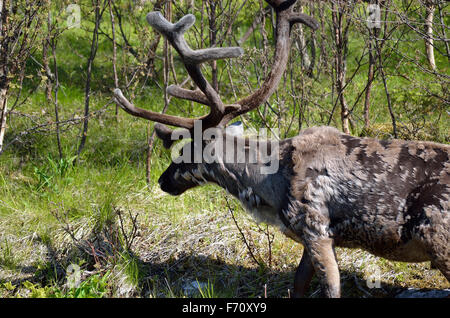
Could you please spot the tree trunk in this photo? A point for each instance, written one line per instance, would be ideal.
(45, 64)
(302, 47)
(379, 43)
(190, 4)
(212, 42)
(443, 27)
(368, 89)
(94, 46)
(3, 113)
(56, 86)
(429, 5)
(114, 57)
(3, 75)
(166, 61)
(17, 41)
(370, 78)
(340, 36)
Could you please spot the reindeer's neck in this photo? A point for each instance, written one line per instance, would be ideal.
(249, 180)
(228, 176)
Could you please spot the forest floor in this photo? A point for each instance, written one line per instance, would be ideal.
(97, 230)
(94, 228)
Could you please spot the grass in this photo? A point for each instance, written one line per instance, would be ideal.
(131, 240)
(179, 241)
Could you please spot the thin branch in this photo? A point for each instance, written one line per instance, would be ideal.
(242, 234)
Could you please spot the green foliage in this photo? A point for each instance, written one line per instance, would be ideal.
(110, 172)
(7, 260)
(131, 265)
(52, 171)
(96, 286)
(36, 291)
(208, 290)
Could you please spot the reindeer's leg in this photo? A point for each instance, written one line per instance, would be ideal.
(437, 243)
(444, 267)
(323, 258)
(432, 228)
(303, 275)
(308, 218)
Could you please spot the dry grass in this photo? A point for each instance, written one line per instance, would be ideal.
(178, 244)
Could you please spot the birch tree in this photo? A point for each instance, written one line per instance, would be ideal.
(19, 30)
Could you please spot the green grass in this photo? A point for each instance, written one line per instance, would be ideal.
(53, 213)
(180, 240)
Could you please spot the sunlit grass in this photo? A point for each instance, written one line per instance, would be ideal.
(185, 241)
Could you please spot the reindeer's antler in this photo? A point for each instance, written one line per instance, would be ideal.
(286, 18)
(192, 59)
(220, 114)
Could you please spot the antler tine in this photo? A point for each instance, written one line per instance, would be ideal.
(305, 19)
(192, 60)
(195, 96)
(286, 18)
(174, 33)
(153, 116)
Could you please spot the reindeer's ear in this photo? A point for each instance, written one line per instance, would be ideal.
(164, 133)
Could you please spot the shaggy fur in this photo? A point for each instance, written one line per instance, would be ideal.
(390, 198)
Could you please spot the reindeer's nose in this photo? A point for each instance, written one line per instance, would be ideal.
(164, 185)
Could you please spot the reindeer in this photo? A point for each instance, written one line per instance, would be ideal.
(330, 190)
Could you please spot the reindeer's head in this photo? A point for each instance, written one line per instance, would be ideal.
(194, 162)
(181, 176)
(187, 162)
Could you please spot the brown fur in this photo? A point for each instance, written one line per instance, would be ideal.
(388, 197)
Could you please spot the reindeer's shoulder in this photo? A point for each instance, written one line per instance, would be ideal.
(321, 131)
(316, 137)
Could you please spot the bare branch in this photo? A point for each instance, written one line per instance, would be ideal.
(220, 114)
